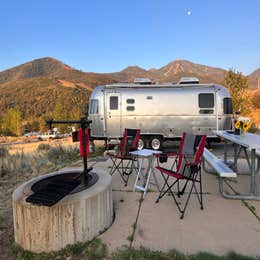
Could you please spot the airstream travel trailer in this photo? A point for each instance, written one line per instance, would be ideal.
(162, 111)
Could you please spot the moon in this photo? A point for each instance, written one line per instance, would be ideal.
(189, 13)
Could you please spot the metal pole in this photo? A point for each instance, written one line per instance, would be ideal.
(84, 123)
(84, 175)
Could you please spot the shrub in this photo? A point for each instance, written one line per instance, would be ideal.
(256, 100)
(43, 147)
(4, 151)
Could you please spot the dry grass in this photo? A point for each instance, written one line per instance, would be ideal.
(23, 162)
(30, 145)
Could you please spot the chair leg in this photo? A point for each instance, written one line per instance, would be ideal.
(122, 169)
(161, 192)
(169, 189)
(201, 200)
(183, 189)
(199, 194)
(114, 166)
(187, 200)
(193, 187)
(164, 192)
(178, 187)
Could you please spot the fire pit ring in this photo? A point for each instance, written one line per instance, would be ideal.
(78, 217)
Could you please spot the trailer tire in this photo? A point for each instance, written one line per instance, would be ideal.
(155, 142)
(141, 143)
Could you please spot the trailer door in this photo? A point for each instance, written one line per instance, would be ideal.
(114, 124)
(207, 113)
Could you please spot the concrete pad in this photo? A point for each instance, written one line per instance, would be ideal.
(126, 206)
(223, 226)
(255, 206)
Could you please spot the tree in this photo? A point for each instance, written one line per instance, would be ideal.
(11, 123)
(43, 127)
(61, 113)
(237, 85)
(256, 99)
(31, 125)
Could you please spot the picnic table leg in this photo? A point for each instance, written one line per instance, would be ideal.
(236, 154)
(253, 170)
(225, 151)
(258, 164)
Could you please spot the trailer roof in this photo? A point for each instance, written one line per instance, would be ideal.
(160, 85)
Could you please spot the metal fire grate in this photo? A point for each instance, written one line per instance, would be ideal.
(49, 191)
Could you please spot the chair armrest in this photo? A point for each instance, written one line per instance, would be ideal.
(170, 154)
(107, 146)
(163, 157)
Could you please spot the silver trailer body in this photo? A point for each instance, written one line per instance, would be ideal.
(161, 111)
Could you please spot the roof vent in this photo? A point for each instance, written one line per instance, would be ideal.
(142, 81)
(189, 80)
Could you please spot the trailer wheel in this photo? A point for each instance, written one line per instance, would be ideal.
(156, 142)
(141, 143)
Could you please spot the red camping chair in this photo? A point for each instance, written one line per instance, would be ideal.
(186, 169)
(186, 148)
(123, 162)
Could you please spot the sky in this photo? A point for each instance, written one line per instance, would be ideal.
(108, 36)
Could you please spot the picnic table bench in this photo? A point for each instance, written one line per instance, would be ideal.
(223, 170)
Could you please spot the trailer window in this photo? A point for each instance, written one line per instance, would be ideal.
(130, 101)
(227, 106)
(113, 102)
(206, 100)
(130, 108)
(93, 109)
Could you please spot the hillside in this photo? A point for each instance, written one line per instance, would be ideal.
(52, 68)
(172, 72)
(39, 96)
(38, 86)
(254, 79)
(179, 68)
(130, 73)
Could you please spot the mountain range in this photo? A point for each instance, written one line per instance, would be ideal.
(45, 81)
(54, 69)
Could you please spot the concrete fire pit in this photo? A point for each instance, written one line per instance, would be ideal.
(78, 217)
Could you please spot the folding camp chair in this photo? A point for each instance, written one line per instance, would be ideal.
(123, 162)
(186, 148)
(186, 167)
